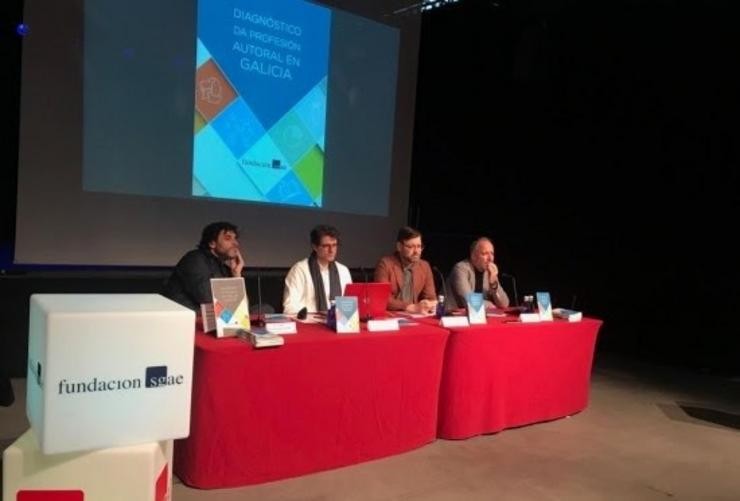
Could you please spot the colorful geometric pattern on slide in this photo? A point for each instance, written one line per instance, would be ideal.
(295, 142)
(235, 155)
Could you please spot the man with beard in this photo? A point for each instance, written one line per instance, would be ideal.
(217, 256)
(412, 283)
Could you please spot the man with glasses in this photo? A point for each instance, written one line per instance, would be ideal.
(313, 282)
(411, 279)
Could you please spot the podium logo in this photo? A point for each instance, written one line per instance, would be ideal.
(97, 385)
(156, 377)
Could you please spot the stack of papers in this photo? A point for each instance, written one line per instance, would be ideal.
(569, 315)
(261, 339)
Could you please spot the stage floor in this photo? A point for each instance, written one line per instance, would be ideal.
(649, 433)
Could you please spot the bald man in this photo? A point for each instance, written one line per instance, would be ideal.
(478, 273)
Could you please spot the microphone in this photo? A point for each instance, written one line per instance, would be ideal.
(260, 321)
(442, 280)
(302, 314)
(365, 298)
(364, 273)
(513, 286)
(440, 309)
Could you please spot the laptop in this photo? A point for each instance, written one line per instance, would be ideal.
(372, 298)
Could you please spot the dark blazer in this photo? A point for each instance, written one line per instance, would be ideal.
(190, 282)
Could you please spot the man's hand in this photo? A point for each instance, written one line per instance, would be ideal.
(492, 273)
(236, 263)
(425, 306)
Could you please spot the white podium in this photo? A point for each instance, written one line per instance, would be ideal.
(139, 472)
(108, 370)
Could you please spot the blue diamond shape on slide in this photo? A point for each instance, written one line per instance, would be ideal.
(292, 137)
(216, 170)
(264, 164)
(238, 127)
(201, 54)
(312, 112)
(290, 191)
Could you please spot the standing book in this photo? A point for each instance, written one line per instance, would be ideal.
(476, 308)
(544, 306)
(348, 316)
(230, 306)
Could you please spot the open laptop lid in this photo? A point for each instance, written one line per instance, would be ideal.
(372, 298)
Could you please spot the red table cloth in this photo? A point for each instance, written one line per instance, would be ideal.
(507, 374)
(321, 401)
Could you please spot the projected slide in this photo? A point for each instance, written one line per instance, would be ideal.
(260, 101)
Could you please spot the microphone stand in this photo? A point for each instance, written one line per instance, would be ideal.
(260, 321)
(365, 298)
(513, 286)
(443, 293)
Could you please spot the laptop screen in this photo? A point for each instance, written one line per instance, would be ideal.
(372, 298)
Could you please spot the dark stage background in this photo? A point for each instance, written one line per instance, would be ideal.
(596, 144)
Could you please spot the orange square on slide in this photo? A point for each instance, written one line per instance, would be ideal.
(212, 91)
(40, 495)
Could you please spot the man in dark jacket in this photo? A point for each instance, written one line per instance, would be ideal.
(217, 256)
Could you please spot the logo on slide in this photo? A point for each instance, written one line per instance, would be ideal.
(209, 90)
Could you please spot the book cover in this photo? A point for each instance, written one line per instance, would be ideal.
(476, 308)
(230, 306)
(348, 316)
(544, 306)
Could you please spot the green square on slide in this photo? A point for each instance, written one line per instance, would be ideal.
(310, 170)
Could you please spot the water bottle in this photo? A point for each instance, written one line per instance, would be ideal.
(529, 306)
(440, 311)
(331, 315)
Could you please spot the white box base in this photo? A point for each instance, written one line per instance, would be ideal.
(139, 472)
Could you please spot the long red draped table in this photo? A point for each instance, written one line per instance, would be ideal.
(321, 401)
(507, 374)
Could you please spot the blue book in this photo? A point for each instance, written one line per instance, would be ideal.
(348, 316)
(544, 306)
(476, 308)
